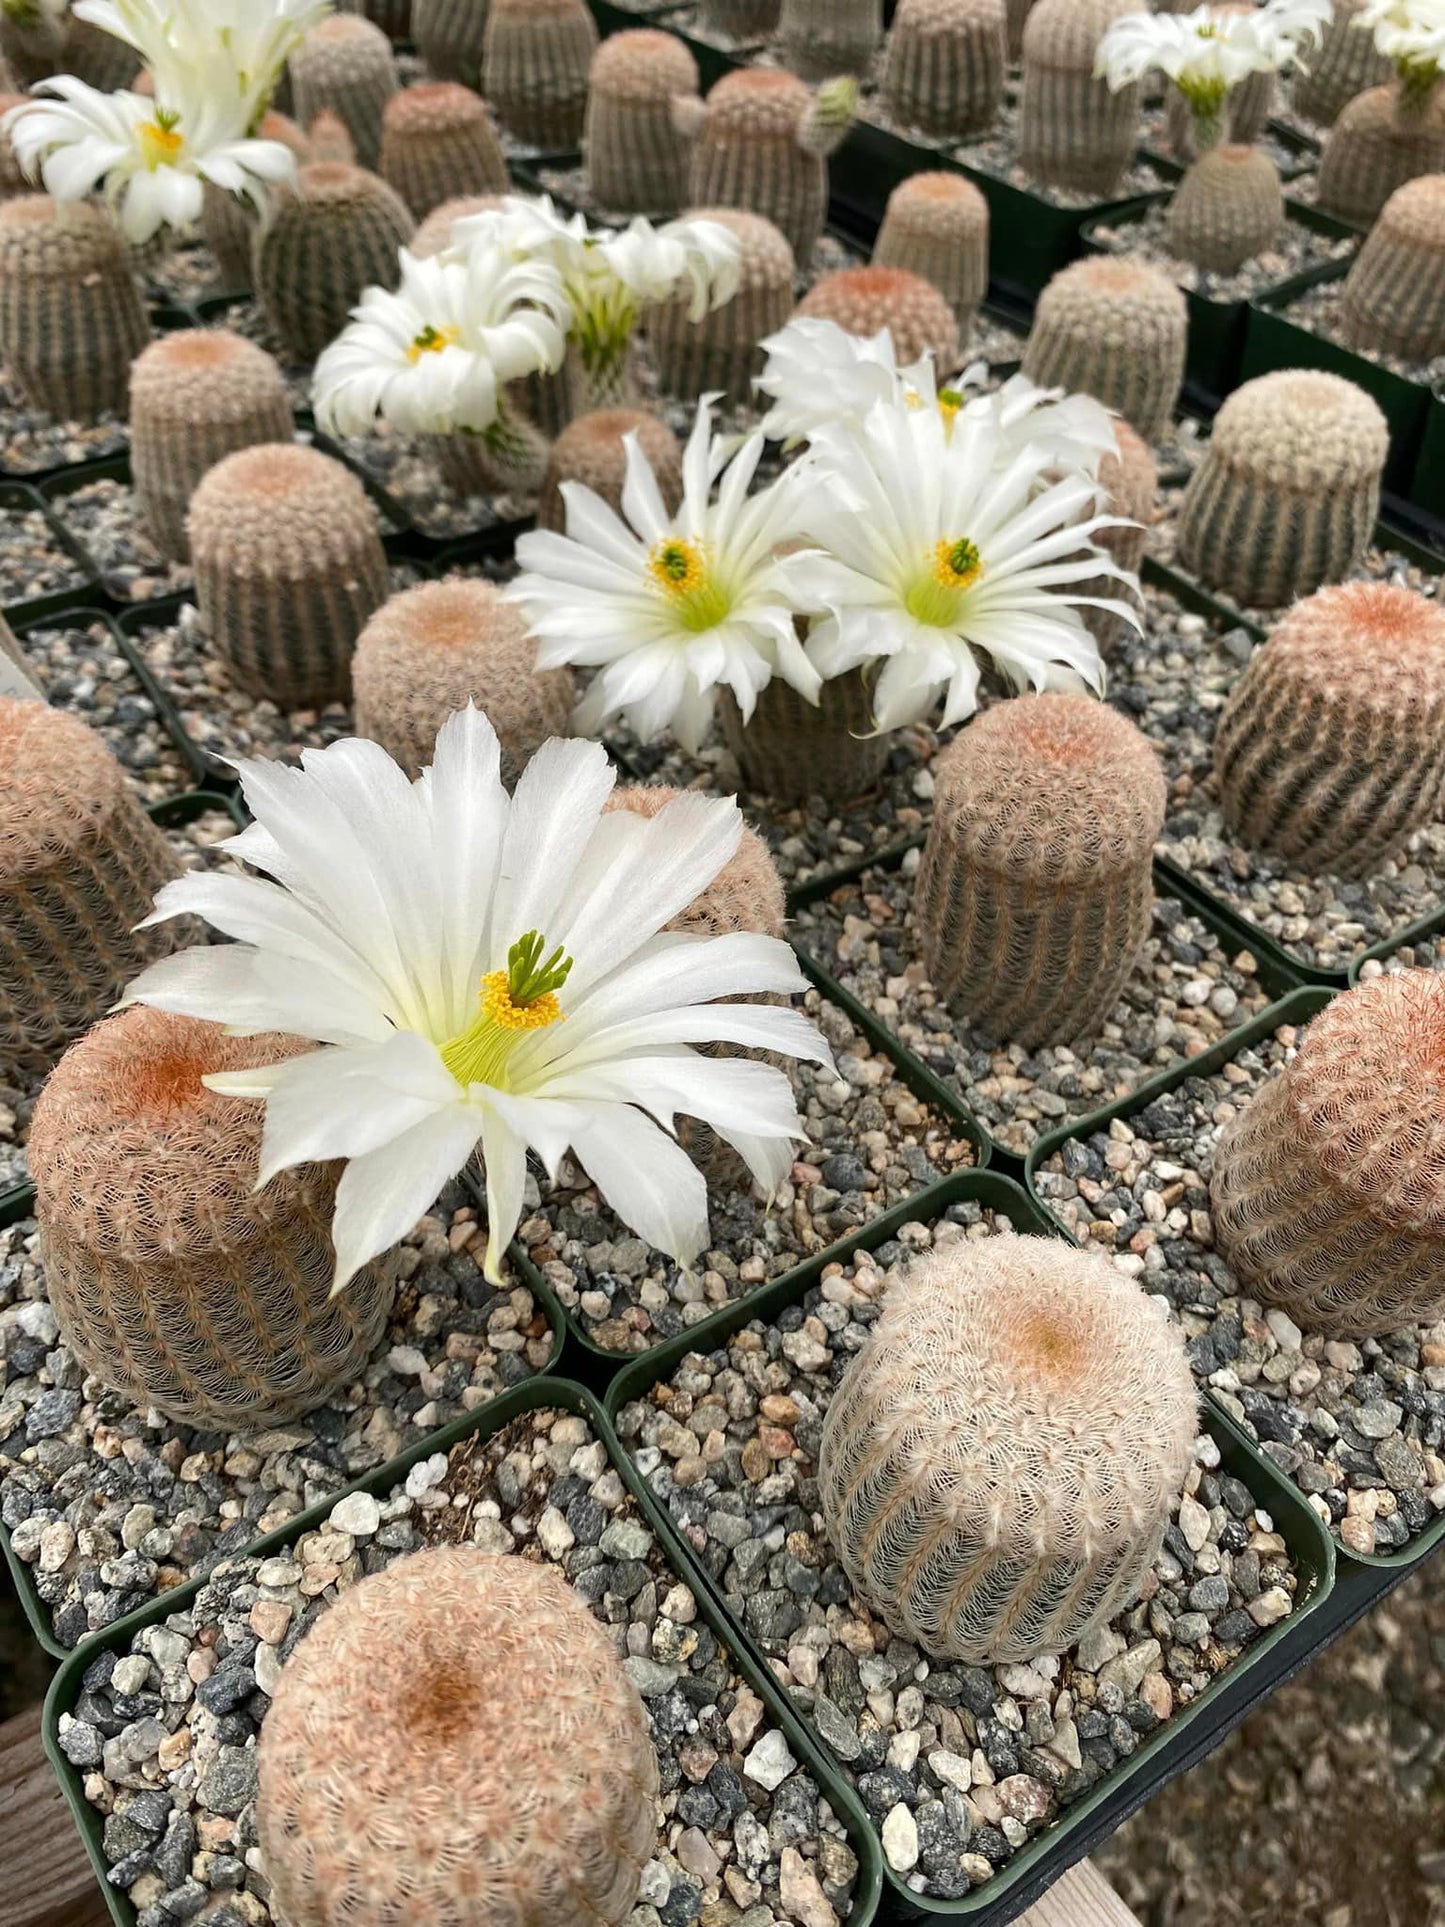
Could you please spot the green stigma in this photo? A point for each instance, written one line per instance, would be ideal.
(528, 978)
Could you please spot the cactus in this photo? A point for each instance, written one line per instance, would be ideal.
(999, 1464)
(1331, 748)
(1328, 1189)
(518, 1785)
(591, 451)
(36, 43)
(538, 54)
(450, 37)
(1035, 890)
(1018, 16)
(762, 145)
(742, 19)
(1074, 132)
(12, 176)
(1129, 482)
(71, 315)
(1343, 62)
(1394, 294)
(791, 749)
(331, 140)
(946, 65)
(174, 1279)
(337, 235)
(80, 862)
(1287, 494)
(817, 38)
(1116, 329)
(1242, 116)
(434, 649)
(435, 232)
(438, 144)
(720, 353)
(637, 160)
(196, 396)
(392, 16)
(346, 65)
(863, 300)
(229, 224)
(1228, 208)
(936, 225)
(289, 567)
(1382, 139)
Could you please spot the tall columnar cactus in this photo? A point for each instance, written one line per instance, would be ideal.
(592, 451)
(434, 649)
(438, 144)
(195, 396)
(71, 315)
(336, 236)
(346, 64)
(1331, 748)
(229, 224)
(863, 300)
(946, 64)
(791, 749)
(289, 568)
(818, 38)
(456, 1740)
(1328, 1189)
(936, 225)
(80, 862)
(537, 58)
(1129, 482)
(450, 36)
(1035, 890)
(1074, 132)
(763, 145)
(1394, 295)
(174, 1279)
(1344, 62)
(1286, 496)
(720, 352)
(637, 158)
(1000, 1462)
(742, 19)
(1228, 208)
(1382, 139)
(1116, 329)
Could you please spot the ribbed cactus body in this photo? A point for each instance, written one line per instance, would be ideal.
(1130, 482)
(791, 749)
(80, 863)
(1328, 1189)
(229, 223)
(1394, 294)
(336, 236)
(742, 19)
(946, 64)
(174, 1279)
(936, 226)
(435, 233)
(1035, 890)
(197, 395)
(863, 300)
(438, 144)
(720, 353)
(1228, 208)
(346, 65)
(537, 59)
(637, 160)
(71, 315)
(1286, 497)
(1379, 142)
(749, 154)
(999, 1464)
(392, 16)
(1343, 62)
(450, 36)
(431, 651)
(1018, 17)
(592, 451)
(455, 1741)
(289, 568)
(1116, 329)
(820, 38)
(1331, 748)
(34, 48)
(1074, 131)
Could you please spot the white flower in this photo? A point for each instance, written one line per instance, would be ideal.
(487, 971)
(672, 607)
(816, 372)
(247, 41)
(1208, 51)
(946, 546)
(1409, 32)
(433, 356)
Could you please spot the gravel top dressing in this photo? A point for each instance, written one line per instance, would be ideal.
(1146, 238)
(873, 1144)
(1360, 1427)
(165, 1736)
(32, 561)
(959, 1765)
(110, 1505)
(105, 518)
(31, 440)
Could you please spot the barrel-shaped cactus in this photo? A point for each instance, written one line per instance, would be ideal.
(451, 38)
(936, 226)
(638, 159)
(861, 301)
(1074, 131)
(946, 64)
(438, 144)
(71, 315)
(337, 235)
(791, 749)
(1383, 138)
(229, 224)
(1394, 294)
(1116, 329)
(763, 145)
(1343, 62)
(346, 64)
(592, 451)
(819, 38)
(536, 62)
(1228, 208)
(719, 351)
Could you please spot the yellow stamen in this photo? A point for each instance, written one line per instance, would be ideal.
(159, 144)
(949, 403)
(514, 1002)
(680, 569)
(957, 564)
(498, 1006)
(431, 341)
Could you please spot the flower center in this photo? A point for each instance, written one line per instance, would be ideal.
(515, 1001)
(680, 570)
(431, 341)
(955, 566)
(159, 141)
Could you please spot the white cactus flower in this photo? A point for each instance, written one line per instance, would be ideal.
(1208, 52)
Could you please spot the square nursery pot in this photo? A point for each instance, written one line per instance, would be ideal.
(1185, 1738)
(1296, 1010)
(538, 1394)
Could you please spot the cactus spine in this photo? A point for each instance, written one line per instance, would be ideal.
(1382, 139)
(337, 235)
(450, 36)
(1116, 329)
(763, 146)
(863, 300)
(1129, 481)
(538, 55)
(742, 19)
(1036, 886)
(936, 226)
(71, 316)
(438, 144)
(1228, 208)
(790, 749)
(1000, 1461)
(1073, 131)
(1394, 295)
(947, 60)
(818, 38)
(591, 451)
(345, 65)
(1343, 62)
(720, 353)
(637, 159)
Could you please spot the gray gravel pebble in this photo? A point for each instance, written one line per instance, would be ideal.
(32, 561)
(104, 517)
(31, 442)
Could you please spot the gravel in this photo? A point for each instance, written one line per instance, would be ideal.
(1360, 1428)
(105, 518)
(874, 1144)
(33, 562)
(1144, 237)
(958, 1765)
(31, 441)
(1320, 310)
(1428, 954)
(165, 1736)
(111, 1505)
